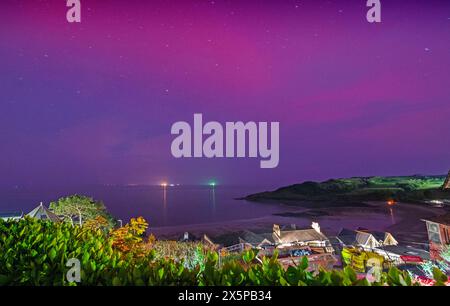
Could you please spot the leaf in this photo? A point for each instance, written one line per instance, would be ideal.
(116, 281)
(161, 273)
(439, 277)
(304, 263)
(350, 274)
(4, 280)
(283, 282)
(52, 254)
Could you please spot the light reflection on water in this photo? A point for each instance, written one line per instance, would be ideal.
(161, 206)
(391, 210)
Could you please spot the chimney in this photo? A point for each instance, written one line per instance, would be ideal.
(276, 230)
(316, 227)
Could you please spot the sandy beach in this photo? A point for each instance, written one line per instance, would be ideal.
(403, 220)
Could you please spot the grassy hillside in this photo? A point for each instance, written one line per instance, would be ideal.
(400, 188)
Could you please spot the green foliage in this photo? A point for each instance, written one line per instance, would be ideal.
(429, 268)
(402, 188)
(192, 254)
(35, 252)
(81, 207)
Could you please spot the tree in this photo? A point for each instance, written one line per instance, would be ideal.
(98, 223)
(81, 207)
(129, 239)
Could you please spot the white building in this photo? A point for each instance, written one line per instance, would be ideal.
(11, 216)
(43, 213)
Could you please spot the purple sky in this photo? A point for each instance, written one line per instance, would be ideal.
(94, 102)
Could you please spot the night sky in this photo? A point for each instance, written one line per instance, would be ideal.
(93, 103)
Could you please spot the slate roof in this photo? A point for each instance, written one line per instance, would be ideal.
(441, 219)
(304, 235)
(406, 251)
(256, 239)
(347, 236)
(351, 237)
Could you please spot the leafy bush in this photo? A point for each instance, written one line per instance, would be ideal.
(35, 252)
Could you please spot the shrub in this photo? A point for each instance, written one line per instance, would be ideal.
(35, 252)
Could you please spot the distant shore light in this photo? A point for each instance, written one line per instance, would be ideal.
(391, 202)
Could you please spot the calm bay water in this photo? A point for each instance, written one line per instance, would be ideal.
(177, 205)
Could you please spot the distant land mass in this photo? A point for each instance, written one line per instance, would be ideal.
(413, 189)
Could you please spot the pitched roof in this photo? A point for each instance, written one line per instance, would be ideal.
(303, 235)
(441, 219)
(406, 251)
(347, 236)
(256, 239)
(43, 213)
(379, 236)
(361, 237)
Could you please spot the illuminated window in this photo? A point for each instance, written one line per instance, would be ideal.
(433, 232)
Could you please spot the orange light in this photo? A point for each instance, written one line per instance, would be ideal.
(390, 202)
(164, 184)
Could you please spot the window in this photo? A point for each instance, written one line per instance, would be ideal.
(433, 232)
(446, 235)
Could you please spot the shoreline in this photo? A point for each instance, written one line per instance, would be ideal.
(403, 220)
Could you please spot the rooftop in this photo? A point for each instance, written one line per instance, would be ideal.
(441, 219)
(11, 214)
(42, 212)
(406, 251)
(303, 235)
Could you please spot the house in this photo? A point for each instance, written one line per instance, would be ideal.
(280, 238)
(312, 237)
(11, 216)
(364, 238)
(383, 238)
(43, 213)
(292, 245)
(438, 229)
(400, 255)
